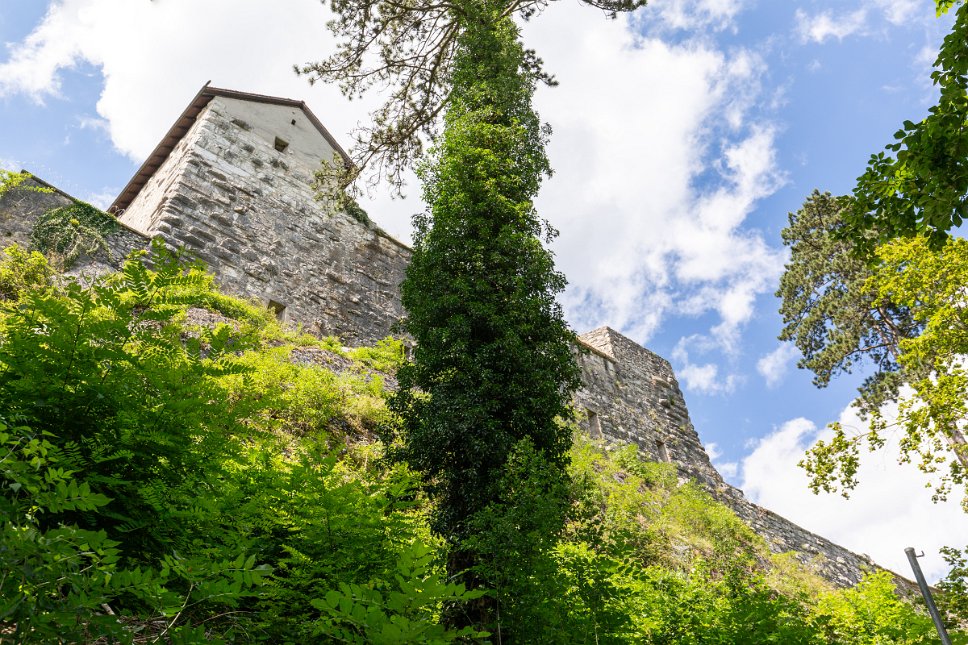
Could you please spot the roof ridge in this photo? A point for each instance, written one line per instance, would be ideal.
(184, 123)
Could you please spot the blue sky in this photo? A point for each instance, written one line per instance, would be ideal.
(683, 136)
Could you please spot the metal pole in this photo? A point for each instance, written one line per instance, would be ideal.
(926, 592)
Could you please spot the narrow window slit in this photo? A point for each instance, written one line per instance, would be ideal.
(594, 424)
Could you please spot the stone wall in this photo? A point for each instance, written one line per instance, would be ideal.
(831, 561)
(20, 210)
(229, 196)
(630, 395)
(248, 210)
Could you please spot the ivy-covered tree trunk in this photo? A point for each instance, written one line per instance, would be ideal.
(493, 362)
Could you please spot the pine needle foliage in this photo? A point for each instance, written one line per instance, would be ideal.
(835, 322)
(898, 311)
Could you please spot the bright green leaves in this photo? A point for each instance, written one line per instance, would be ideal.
(119, 421)
(13, 181)
(927, 348)
(931, 283)
(69, 232)
(835, 322)
(869, 614)
(920, 185)
(943, 6)
(21, 271)
(953, 600)
(832, 465)
(404, 608)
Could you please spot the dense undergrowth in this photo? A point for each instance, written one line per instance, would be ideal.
(177, 467)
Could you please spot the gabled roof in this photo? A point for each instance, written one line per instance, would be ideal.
(185, 122)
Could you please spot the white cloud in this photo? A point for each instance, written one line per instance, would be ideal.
(889, 510)
(865, 20)
(826, 25)
(659, 157)
(151, 73)
(925, 57)
(898, 12)
(773, 366)
(712, 449)
(727, 469)
(93, 123)
(691, 14)
(154, 57)
(704, 378)
(102, 199)
(658, 162)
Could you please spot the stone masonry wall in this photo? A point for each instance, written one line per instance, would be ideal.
(630, 395)
(636, 399)
(20, 209)
(248, 210)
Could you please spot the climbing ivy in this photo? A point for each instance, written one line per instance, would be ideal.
(68, 232)
(354, 210)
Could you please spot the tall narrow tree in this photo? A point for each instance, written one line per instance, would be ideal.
(493, 362)
(493, 367)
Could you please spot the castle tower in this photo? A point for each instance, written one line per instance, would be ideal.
(630, 394)
(232, 182)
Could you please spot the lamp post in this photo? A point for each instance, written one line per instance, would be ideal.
(926, 592)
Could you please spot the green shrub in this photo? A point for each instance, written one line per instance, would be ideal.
(871, 614)
(404, 608)
(386, 356)
(22, 271)
(199, 484)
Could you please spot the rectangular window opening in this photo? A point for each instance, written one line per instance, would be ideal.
(278, 309)
(594, 424)
(281, 144)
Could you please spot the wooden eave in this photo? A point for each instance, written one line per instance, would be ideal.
(184, 124)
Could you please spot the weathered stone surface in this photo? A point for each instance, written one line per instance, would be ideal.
(21, 209)
(228, 196)
(631, 395)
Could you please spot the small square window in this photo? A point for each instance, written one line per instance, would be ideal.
(278, 309)
(281, 144)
